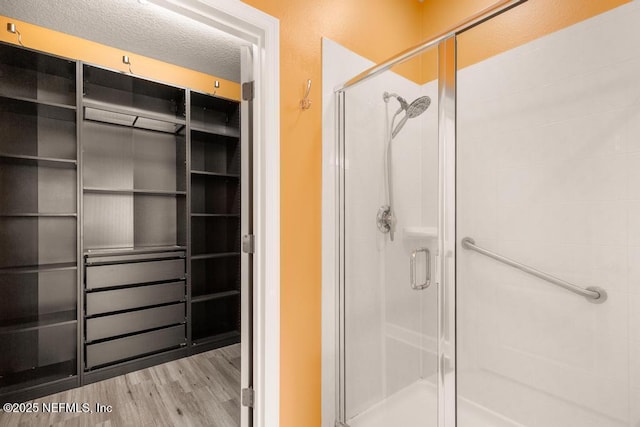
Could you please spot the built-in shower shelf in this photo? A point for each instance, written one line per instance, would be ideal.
(420, 232)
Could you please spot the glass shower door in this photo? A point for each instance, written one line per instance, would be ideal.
(389, 216)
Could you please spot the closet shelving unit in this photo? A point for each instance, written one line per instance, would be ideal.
(134, 185)
(215, 219)
(134, 162)
(38, 221)
(120, 213)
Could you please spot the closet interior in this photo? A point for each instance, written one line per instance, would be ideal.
(120, 215)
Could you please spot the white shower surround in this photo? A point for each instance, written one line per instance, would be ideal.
(549, 174)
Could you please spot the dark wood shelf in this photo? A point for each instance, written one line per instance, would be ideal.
(27, 106)
(39, 102)
(217, 255)
(38, 375)
(231, 335)
(131, 117)
(38, 161)
(132, 191)
(39, 268)
(217, 295)
(132, 250)
(39, 322)
(38, 215)
(213, 129)
(208, 215)
(216, 174)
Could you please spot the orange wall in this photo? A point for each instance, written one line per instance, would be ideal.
(376, 29)
(67, 46)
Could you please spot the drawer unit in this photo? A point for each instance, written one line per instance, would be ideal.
(103, 276)
(129, 298)
(134, 321)
(136, 345)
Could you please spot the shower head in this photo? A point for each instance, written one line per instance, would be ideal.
(412, 110)
(386, 217)
(418, 106)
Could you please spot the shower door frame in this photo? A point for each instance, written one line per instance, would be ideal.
(446, 255)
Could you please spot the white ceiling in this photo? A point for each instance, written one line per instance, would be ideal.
(144, 29)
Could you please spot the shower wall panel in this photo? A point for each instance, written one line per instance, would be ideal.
(549, 174)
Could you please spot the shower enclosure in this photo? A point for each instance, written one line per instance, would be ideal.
(391, 325)
(489, 245)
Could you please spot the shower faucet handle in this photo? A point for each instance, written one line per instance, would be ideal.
(412, 269)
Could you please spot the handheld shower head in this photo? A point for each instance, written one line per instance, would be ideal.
(386, 217)
(418, 106)
(414, 109)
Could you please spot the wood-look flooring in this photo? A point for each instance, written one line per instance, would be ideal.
(201, 390)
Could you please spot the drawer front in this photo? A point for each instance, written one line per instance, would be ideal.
(102, 276)
(125, 299)
(134, 321)
(136, 345)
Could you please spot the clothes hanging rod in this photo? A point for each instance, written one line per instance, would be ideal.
(593, 294)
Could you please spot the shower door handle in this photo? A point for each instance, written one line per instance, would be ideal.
(412, 269)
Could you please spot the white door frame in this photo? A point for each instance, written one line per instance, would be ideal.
(262, 31)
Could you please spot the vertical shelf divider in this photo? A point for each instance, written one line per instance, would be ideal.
(188, 219)
(80, 232)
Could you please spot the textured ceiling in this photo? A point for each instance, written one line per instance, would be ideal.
(144, 29)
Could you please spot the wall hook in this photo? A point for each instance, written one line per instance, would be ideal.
(11, 27)
(305, 104)
(127, 61)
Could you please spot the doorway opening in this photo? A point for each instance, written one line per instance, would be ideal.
(259, 33)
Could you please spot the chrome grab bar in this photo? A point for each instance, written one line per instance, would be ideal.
(412, 269)
(593, 294)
